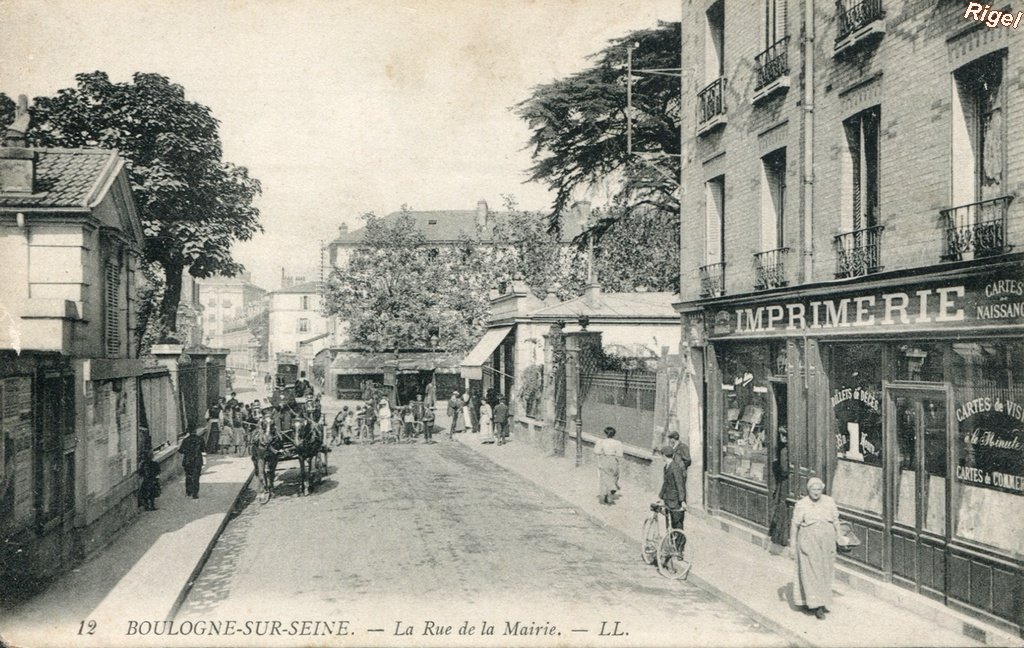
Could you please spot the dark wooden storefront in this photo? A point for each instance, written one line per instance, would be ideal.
(878, 402)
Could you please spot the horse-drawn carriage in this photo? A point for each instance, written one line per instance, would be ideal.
(289, 433)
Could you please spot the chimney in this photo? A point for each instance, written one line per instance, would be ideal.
(481, 213)
(17, 162)
(592, 295)
(343, 229)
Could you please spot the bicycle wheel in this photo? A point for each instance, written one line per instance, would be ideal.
(649, 540)
(673, 558)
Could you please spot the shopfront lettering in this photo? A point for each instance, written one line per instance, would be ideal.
(974, 300)
(991, 452)
(858, 311)
(853, 393)
(981, 404)
(989, 439)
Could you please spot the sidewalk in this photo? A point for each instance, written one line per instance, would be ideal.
(141, 574)
(740, 572)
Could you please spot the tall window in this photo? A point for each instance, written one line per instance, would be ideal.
(860, 176)
(714, 42)
(303, 325)
(773, 199)
(714, 220)
(112, 308)
(774, 18)
(305, 302)
(979, 148)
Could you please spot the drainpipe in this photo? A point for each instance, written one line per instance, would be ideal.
(807, 125)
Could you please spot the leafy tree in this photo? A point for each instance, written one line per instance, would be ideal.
(579, 125)
(259, 325)
(399, 293)
(638, 252)
(194, 206)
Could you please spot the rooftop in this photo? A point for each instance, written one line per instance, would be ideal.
(309, 287)
(66, 178)
(596, 304)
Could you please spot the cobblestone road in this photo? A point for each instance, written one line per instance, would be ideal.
(402, 536)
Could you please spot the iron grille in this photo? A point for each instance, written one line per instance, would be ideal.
(858, 253)
(854, 15)
(712, 280)
(772, 63)
(978, 228)
(712, 100)
(770, 268)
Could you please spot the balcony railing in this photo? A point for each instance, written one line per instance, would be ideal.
(712, 100)
(854, 15)
(773, 63)
(770, 269)
(858, 253)
(976, 230)
(712, 280)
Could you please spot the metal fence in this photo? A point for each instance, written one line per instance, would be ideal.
(624, 400)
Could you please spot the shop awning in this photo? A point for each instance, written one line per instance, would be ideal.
(472, 364)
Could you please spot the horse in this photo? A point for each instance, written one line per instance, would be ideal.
(308, 438)
(265, 444)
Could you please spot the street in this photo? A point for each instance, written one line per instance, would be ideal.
(404, 540)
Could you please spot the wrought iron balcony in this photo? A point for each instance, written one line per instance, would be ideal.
(712, 101)
(712, 280)
(770, 269)
(773, 63)
(858, 253)
(976, 230)
(856, 14)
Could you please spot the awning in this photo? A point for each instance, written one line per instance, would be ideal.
(472, 364)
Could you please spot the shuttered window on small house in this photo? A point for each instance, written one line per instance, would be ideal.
(112, 310)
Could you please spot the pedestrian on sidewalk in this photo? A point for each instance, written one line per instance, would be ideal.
(214, 414)
(455, 414)
(673, 485)
(149, 488)
(486, 423)
(609, 459)
(191, 451)
(501, 420)
(384, 418)
(813, 535)
(468, 415)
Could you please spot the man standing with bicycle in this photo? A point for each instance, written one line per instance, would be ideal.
(673, 486)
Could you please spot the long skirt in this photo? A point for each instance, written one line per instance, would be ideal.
(608, 468)
(815, 565)
(459, 422)
(486, 430)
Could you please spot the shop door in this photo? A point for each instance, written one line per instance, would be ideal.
(917, 423)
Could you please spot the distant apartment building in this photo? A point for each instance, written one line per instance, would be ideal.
(851, 275)
(225, 302)
(296, 323)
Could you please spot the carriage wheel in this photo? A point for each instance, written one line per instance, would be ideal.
(673, 558)
(649, 538)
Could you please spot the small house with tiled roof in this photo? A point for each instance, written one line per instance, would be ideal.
(73, 415)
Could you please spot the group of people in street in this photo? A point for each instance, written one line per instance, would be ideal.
(488, 416)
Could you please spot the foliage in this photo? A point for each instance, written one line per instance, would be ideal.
(7, 108)
(399, 293)
(531, 388)
(639, 252)
(150, 289)
(526, 249)
(580, 128)
(194, 206)
(259, 325)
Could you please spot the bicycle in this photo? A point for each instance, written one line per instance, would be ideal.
(665, 546)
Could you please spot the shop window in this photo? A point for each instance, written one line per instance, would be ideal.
(745, 371)
(855, 387)
(918, 362)
(988, 396)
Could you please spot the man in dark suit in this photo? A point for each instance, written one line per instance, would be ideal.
(191, 451)
(673, 486)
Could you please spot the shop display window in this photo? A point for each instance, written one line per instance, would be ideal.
(988, 396)
(745, 370)
(918, 361)
(855, 388)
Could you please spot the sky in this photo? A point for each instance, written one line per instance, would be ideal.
(337, 107)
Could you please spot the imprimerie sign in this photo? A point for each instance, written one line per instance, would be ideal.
(978, 301)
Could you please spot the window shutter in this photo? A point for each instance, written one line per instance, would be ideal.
(112, 315)
(714, 214)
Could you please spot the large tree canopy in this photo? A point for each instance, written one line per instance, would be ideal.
(579, 125)
(194, 206)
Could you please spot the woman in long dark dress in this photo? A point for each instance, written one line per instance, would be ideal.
(149, 489)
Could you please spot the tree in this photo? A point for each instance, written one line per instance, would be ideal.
(639, 252)
(579, 125)
(399, 293)
(193, 205)
(259, 325)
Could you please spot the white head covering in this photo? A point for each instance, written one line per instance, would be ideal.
(815, 481)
